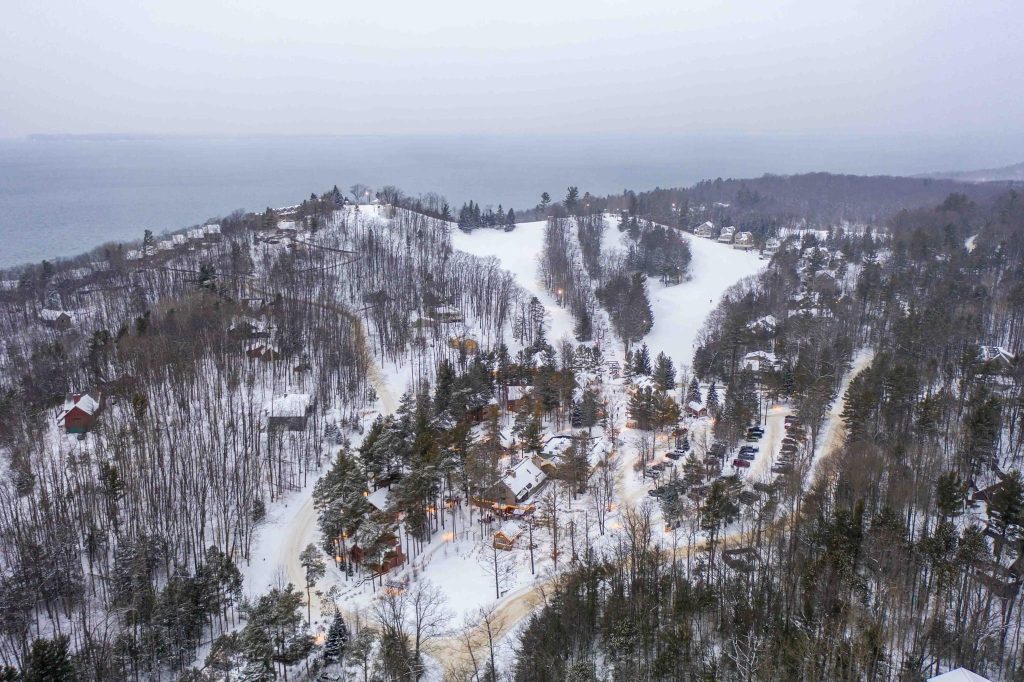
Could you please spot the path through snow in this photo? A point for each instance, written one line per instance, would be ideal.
(834, 432)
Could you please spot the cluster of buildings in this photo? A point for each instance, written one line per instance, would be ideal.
(190, 239)
(727, 235)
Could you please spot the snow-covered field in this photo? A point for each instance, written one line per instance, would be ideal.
(680, 310)
(519, 251)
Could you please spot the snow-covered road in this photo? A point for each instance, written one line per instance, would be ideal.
(770, 443)
(833, 433)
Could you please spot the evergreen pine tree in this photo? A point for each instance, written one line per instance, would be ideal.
(713, 404)
(642, 361)
(48, 660)
(693, 392)
(665, 372)
(584, 330)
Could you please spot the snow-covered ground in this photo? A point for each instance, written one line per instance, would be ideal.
(769, 445)
(519, 252)
(462, 567)
(680, 310)
(971, 242)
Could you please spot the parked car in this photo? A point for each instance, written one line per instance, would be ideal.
(741, 464)
(759, 430)
(749, 456)
(673, 455)
(749, 448)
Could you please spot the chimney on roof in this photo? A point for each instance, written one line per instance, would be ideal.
(76, 397)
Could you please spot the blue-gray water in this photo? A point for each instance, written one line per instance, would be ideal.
(62, 196)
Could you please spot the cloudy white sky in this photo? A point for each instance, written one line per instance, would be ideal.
(530, 66)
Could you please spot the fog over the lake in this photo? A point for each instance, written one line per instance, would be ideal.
(459, 66)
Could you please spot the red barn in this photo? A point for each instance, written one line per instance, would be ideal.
(79, 411)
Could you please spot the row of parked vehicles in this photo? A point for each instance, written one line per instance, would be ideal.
(748, 451)
(791, 443)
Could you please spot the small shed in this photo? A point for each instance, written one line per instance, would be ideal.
(515, 396)
(695, 409)
(506, 536)
(740, 559)
(289, 412)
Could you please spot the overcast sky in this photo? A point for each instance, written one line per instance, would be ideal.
(529, 66)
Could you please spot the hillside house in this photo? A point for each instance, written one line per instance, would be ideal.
(463, 344)
(996, 358)
(263, 352)
(446, 314)
(249, 328)
(79, 411)
(764, 326)
(384, 556)
(705, 230)
(515, 396)
(212, 231)
(727, 234)
(56, 319)
(519, 482)
(761, 361)
(196, 234)
(771, 245)
(179, 240)
(289, 412)
(165, 246)
(695, 409)
(744, 241)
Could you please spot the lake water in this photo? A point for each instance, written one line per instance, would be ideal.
(62, 196)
